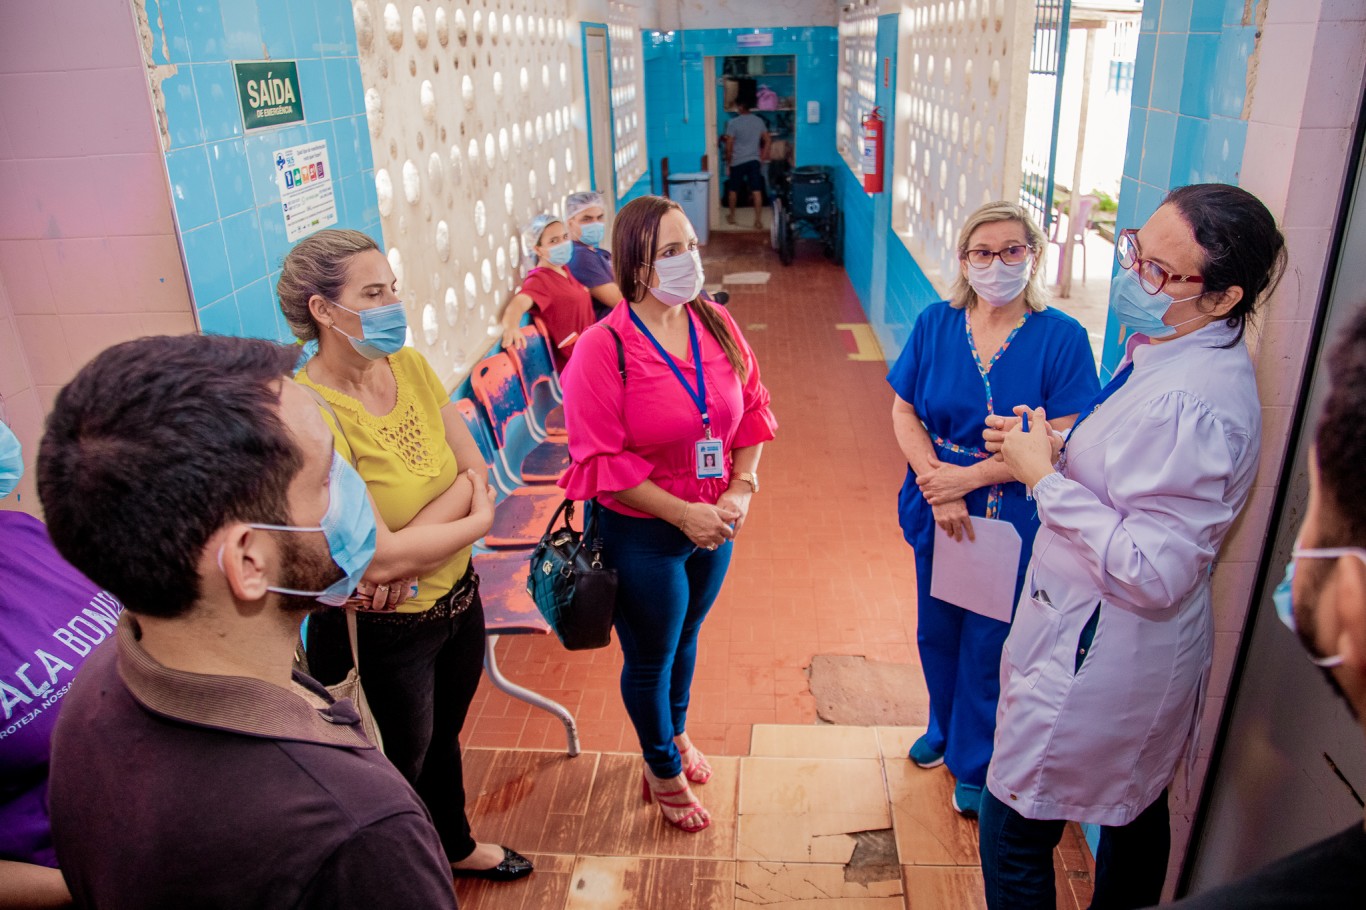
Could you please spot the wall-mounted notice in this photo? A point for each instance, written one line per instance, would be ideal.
(305, 178)
(269, 93)
(757, 39)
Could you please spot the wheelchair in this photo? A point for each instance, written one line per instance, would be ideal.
(804, 206)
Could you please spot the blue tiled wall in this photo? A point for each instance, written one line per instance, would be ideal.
(1186, 125)
(675, 111)
(222, 181)
(887, 279)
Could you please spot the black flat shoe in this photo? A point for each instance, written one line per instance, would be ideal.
(513, 867)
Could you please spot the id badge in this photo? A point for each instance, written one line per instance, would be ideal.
(710, 459)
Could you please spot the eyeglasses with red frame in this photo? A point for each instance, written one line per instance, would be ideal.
(1151, 276)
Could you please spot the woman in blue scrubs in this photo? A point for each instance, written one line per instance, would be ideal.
(994, 345)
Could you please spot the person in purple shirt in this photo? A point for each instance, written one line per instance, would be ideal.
(51, 616)
(591, 265)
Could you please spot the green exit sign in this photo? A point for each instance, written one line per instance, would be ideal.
(268, 91)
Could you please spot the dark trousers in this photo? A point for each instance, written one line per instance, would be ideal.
(420, 677)
(1017, 858)
(665, 586)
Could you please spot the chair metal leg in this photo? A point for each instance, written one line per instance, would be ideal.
(536, 700)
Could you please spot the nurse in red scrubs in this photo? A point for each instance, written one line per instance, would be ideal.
(550, 291)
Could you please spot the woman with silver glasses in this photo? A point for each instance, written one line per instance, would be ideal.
(1104, 672)
(994, 345)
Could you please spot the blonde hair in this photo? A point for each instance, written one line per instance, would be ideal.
(317, 265)
(961, 295)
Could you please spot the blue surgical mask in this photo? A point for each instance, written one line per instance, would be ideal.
(1283, 598)
(350, 529)
(561, 253)
(11, 461)
(384, 330)
(1141, 311)
(593, 233)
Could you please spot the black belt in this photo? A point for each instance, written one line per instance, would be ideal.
(454, 602)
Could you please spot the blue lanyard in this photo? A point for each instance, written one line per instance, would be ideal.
(1110, 388)
(699, 395)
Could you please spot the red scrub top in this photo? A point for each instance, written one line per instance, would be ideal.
(564, 305)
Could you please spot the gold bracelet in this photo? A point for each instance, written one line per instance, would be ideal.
(684, 517)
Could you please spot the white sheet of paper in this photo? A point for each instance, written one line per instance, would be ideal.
(978, 575)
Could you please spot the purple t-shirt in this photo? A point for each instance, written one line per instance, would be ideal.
(51, 616)
(592, 267)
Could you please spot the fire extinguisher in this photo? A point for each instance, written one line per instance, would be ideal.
(872, 151)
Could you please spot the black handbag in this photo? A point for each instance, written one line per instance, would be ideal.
(574, 592)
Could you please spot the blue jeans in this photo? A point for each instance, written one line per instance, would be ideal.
(1017, 858)
(665, 586)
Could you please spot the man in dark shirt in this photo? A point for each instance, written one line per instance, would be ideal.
(1324, 602)
(586, 217)
(190, 766)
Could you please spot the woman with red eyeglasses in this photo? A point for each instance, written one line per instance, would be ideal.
(1104, 672)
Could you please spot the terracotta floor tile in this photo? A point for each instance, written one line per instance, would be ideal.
(944, 888)
(792, 886)
(531, 801)
(805, 810)
(785, 741)
(545, 889)
(616, 882)
(624, 825)
(928, 831)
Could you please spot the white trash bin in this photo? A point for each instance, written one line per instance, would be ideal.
(692, 192)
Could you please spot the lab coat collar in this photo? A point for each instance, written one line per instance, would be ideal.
(1146, 355)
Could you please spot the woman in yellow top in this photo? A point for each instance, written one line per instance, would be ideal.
(423, 650)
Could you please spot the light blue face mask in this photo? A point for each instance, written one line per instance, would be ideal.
(11, 461)
(1140, 311)
(384, 330)
(1284, 601)
(350, 530)
(561, 253)
(593, 233)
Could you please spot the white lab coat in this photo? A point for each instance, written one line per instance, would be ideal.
(1151, 483)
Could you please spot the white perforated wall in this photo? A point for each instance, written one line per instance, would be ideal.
(961, 69)
(628, 95)
(858, 91)
(469, 105)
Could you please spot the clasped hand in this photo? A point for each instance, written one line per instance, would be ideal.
(944, 487)
(709, 526)
(1029, 455)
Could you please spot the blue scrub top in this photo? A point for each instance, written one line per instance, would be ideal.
(1047, 363)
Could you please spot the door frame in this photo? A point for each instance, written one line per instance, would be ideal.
(593, 30)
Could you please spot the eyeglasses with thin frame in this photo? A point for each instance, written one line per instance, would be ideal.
(982, 259)
(1151, 276)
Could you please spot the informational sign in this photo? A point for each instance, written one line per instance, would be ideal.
(305, 178)
(762, 39)
(268, 91)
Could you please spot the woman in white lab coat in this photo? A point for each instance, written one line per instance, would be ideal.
(1104, 672)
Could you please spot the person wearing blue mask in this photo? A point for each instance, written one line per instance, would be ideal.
(550, 291)
(993, 344)
(1322, 600)
(1105, 669)
(586, 216)
(191, 764)
(393, 419)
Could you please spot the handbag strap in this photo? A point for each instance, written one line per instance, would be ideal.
(621, 353)
(352, 633)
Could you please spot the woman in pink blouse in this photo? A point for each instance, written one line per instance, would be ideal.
(671, 452)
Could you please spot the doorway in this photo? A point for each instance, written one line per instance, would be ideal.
(766, 85)
(600, 150)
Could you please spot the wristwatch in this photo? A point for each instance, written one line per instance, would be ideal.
(750, 478)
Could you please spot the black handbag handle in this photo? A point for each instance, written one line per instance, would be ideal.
(590, 528)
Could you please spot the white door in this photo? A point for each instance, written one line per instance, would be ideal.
(600, 114)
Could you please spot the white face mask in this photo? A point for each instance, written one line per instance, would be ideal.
(999, 284)
(680, 278)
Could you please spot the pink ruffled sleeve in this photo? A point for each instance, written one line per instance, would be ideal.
(757, 423)
(593, 415)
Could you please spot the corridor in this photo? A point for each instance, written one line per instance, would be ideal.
(802, 811)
